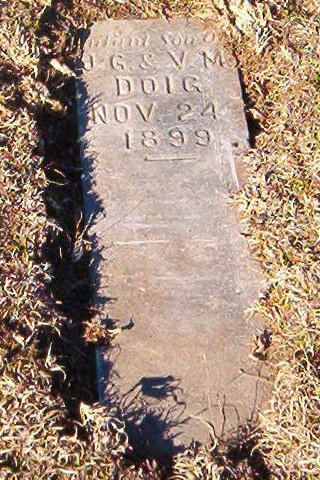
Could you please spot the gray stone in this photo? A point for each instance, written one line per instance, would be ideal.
(161, 121)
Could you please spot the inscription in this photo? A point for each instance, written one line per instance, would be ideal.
(175, 137)
(124, 112)
(211, 59)
(154, 85)
(157, 97)
(189, 112)
(117, 62)
(119, 39)
(178, 39)
(146, 112)
(178, 59)
(121, 113)
(148, 61)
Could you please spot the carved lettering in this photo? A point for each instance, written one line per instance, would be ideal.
(127, 137)
(178, 39)
(88, 62)
(178, 59)
(166, 38)
(144, 78)
(118, 39)
(186, 111)
(121, 113)
(203, 137)
(169, 85)
(191, 84)
(209, 110)
(117, 62)
(177, 137)
(147, 61)
(138, 41)
(124, 85)
(149, 139)
(99, 114)
(114, 40)
(105, 41)
(149, 85)
(190, 40)
(146, 113)
(211, 60)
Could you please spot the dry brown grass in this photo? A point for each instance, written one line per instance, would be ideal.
(276, 47)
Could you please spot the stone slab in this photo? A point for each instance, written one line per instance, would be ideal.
(161, 121)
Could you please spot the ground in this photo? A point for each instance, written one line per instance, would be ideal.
(51, 424)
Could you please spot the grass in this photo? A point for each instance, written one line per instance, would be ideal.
(51, 424)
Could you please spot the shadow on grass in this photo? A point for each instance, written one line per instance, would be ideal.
(65, 250)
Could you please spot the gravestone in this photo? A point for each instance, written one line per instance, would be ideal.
(161, 124)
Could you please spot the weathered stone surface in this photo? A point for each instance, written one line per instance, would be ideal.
(161, 121)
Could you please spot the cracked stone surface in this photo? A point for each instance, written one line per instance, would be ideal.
(161, 123)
